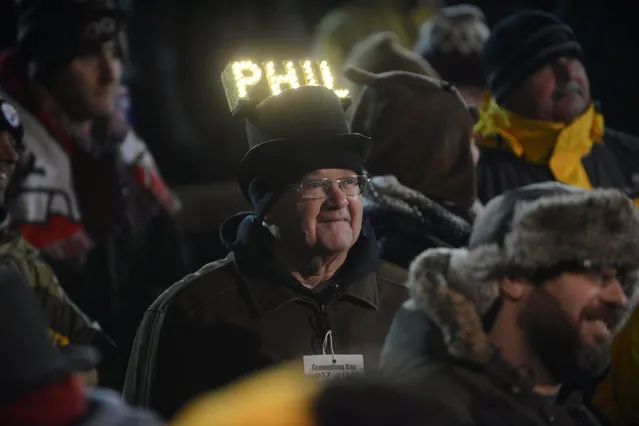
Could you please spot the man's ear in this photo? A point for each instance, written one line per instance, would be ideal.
(513, 288)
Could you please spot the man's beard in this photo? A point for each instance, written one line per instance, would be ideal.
(556, 341)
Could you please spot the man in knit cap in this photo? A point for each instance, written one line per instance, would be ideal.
(452, 41)
(91, 200)
(541, 123)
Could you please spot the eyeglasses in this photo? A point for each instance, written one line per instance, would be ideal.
(321, 188)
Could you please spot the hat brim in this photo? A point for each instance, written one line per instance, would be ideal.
(293, 158)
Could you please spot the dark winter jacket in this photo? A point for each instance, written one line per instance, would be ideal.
(438, 344)
(612, 164)
(244, 313)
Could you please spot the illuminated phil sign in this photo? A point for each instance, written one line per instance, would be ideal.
(249, 81)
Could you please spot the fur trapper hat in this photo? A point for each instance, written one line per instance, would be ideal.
(525, 230)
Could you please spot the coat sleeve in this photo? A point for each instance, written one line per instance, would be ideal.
(617, 396)
(67, 323)
(192, 358)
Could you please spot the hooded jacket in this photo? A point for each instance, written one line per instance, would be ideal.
(407, 222)
(446, 353)
(244, 313)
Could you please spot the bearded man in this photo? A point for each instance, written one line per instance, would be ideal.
(497, 334)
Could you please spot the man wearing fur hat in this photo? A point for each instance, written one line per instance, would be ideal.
(541, 123)
(303, 277)
(90, 197)
(495, 332)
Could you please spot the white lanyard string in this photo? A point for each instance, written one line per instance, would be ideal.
(328, 343)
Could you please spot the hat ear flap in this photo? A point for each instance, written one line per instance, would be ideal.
(360, 76)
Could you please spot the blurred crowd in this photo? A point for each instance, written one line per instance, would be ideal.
(370, 212)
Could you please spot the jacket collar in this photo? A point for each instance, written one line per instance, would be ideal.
(270, 291)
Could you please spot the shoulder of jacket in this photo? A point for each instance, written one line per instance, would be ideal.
(625, 140)
(209, 281)
(391, 273)
(24, 256)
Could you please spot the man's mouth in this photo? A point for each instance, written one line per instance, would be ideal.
(330, 218)
(561, 94)
(605, 325)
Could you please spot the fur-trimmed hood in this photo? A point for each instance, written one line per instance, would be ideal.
(455, 288)
(406, 222)
(387, 196)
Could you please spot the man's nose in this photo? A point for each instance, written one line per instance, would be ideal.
(336, 197)
(562, 69)
(613, 294)
(107, 69)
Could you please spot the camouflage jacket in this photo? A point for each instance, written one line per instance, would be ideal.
(67, 323)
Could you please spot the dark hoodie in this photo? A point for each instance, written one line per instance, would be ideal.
(244, 313)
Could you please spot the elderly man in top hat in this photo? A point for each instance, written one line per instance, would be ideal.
(303, 277)
(541, 123)
(90, 199)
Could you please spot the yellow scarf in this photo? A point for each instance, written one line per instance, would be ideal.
(560, 146)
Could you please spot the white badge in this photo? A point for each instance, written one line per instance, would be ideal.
(330, 366)
(11, 115)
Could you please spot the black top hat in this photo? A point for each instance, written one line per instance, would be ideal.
(296, 132)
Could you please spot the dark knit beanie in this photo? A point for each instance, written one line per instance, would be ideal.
(452, 42)
(55, 31)
(521, 44)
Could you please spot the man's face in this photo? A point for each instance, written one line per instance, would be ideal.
(320, 215)
(8, 159)
(571, 320)
(87, 86)
(558, 92)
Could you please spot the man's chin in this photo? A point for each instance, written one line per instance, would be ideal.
(335, 245)
(593, 361)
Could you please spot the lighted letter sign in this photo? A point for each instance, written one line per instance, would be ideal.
(250, 82)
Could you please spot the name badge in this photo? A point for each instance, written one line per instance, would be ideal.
(329, 367)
